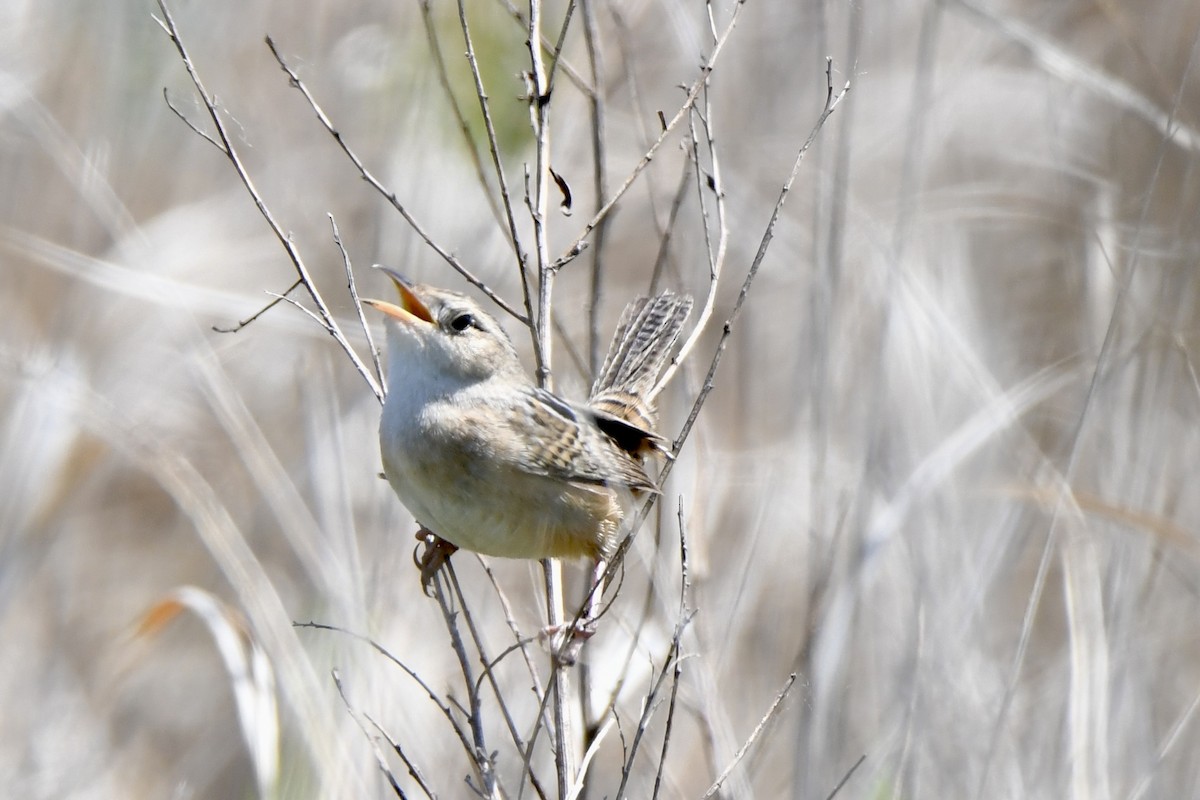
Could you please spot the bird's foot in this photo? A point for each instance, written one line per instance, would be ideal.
(436, 553)
(566, 640)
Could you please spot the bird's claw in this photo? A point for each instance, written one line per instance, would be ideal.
(437, 552)
(565, 641)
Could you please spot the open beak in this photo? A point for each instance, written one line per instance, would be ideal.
(411, 311)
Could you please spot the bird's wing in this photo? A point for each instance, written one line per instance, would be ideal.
(569, 446)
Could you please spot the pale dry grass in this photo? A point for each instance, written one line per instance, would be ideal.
(946, 475)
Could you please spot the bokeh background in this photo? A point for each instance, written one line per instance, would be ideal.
(947, 474)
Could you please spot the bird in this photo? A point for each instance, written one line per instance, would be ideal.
(488, 461)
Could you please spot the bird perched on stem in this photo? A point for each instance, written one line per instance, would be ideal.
(488, 461)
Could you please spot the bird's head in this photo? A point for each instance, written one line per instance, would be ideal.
(443, 336)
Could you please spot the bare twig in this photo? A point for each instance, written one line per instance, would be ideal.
(244, 322)
(186, 121)
(539, 120)
(705, 70)
(225, 143)
(443, 74)
(358, 309)
(846, 778)
(556, 51)
(380, 761)
(649, 705)
(498, 166)
(599, 178)
(664, 240)
(442, 705)
(489, 674)
(412, 768)
(510, 620)
(313, 315)
(716, 259)
(684, 613)
(578, 80)
(480, 755)
(758, 729)
(388, 194)
(831, 103)
(593, 748)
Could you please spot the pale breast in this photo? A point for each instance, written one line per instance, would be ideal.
(455, 471)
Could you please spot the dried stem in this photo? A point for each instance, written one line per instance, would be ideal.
(380, 761)
(224, 143)
(831, 103)
(442, 705)
(480, 755)
(684, 614)
(758, 729)
(244, 322)
(489, 674)
(443, 75)
(388, 194)
(576, 246)
(352, 287)
(599, 178)
(505, 194)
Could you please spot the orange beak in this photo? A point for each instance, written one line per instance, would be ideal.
(410, 311)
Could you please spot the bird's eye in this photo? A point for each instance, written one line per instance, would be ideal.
(462, 322)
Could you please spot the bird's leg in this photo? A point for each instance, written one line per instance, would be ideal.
(436, 553)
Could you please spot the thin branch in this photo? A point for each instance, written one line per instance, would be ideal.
(167, 23)
(846, 778)
(560, 678)
(664, 242)
(413, 770)
(489, 674)
(510, 620)
(498, 166)
(380, 761)
(244, 322)
(580, 783)
(442, 705)
(538, 725)
(599, 178)
(716, 260)
(314, 316)
(684, 613)
(538, 201)
(556, 51)
(443, 74)
(831, 103)
(706, 69)
(195, 129)
(758, 729)
(649, 706)
(481, 757)
(358, 309)
(388, 194)
(581, 83)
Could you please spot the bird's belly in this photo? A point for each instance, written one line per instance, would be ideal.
(498, 510)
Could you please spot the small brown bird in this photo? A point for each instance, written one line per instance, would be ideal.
(486, 460)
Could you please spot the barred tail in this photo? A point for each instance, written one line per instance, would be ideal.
(637, 355)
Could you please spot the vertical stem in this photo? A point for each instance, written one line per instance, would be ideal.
(539, 111)
(599, 178)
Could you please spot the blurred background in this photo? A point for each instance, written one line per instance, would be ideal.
(942, 478)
